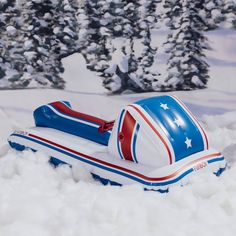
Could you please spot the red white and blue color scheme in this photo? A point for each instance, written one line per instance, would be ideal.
(155, 142)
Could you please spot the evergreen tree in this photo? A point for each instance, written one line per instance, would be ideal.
(186, 65)
(83, 24)
(115, 14)
(211, 10)
(124, 79)
(34, 38)
(65, 25)
(172, 10)
(229, 12)
(12, 60)
(147, 75)
(42, 48)
(139, 17)
(96, 52)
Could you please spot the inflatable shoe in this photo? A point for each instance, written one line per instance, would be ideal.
(155, 142)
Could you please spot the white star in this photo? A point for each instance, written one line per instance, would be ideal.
(177, 122)
(188, 142)
(164, 106)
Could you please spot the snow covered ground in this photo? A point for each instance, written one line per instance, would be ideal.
(36, 199)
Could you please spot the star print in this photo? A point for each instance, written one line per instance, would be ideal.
(188, 142)
(164, 106)
(177, 122)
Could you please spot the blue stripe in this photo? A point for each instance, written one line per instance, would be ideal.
(110, 169)
(216, 159)
(105, 181)
(134, 143)
(117, 142)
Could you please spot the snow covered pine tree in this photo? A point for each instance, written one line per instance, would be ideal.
(147, 73)
(124, 62)
(12, 60)
(211, 10)
(45, 31)
(127, 71)
(96, 52)
(186, 65)
(229, 13)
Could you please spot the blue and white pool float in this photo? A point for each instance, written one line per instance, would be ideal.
(155, 142)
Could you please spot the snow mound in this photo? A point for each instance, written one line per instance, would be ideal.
(38, 199)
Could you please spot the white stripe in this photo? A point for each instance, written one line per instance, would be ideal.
(158, 127)
(72, 118)
(65, 104)
(132, 140)
(194, 119)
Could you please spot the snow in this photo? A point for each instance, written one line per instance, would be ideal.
(37, 199)
(28, 44)
(77, 80)
(30, 55)
(197, 81)
(11, 30)
(118, 59)
(56, 30)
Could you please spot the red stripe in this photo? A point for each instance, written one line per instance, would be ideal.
(206, 139)
(124, 169)
(153, 128)
(66, 110)
(127, 132)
